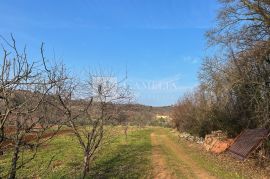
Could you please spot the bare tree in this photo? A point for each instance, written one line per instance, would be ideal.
(234, 90)
(242, 23)
(244, 30)
(123, 120)
(89, 117)
(25, 115)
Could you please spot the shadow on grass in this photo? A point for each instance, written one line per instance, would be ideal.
(129, 160)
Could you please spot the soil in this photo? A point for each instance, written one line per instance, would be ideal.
(31, 137)
(189, 169)
(159, 162)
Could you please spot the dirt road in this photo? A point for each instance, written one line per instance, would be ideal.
(171, 161)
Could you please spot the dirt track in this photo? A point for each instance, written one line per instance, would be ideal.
(184, 166)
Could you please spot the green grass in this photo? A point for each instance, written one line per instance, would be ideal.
(62, 157)
(126, 159)
(176, 165)
(210, 164)
(54, 158)
(131, 158)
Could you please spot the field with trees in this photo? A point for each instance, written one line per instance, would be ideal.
(150, 152)
(54, 124)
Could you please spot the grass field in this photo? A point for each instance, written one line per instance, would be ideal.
(61, 158)
(147, 153)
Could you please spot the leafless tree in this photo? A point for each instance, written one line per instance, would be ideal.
(88, 118)
(25, 115)
(234, 90)
(242, 23)
(123, 120)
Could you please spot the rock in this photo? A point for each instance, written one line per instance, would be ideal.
(217, 142)
(191, 138)
(221, 146)
(199, 140)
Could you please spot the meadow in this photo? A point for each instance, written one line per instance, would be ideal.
(150, 152)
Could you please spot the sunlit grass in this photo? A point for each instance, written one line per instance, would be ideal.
(208, 163)
(62, 157)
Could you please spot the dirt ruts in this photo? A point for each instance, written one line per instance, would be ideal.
(186, 166)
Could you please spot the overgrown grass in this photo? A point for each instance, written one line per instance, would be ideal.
(62, 157)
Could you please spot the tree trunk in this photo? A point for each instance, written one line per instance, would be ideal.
(86, 163)
(12, 173)
(2, 134)
(1, 139)
(126, 132)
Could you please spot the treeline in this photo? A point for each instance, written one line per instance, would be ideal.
(234, 89)
(141, 115)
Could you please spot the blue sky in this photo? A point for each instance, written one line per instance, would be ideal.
(160, 43)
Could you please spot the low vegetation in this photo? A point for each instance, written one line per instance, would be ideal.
(131, 157)
(61, 158)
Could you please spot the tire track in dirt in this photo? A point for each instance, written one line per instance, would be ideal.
(189, 168)
(160, 171)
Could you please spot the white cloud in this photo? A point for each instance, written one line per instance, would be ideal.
(191, 59)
